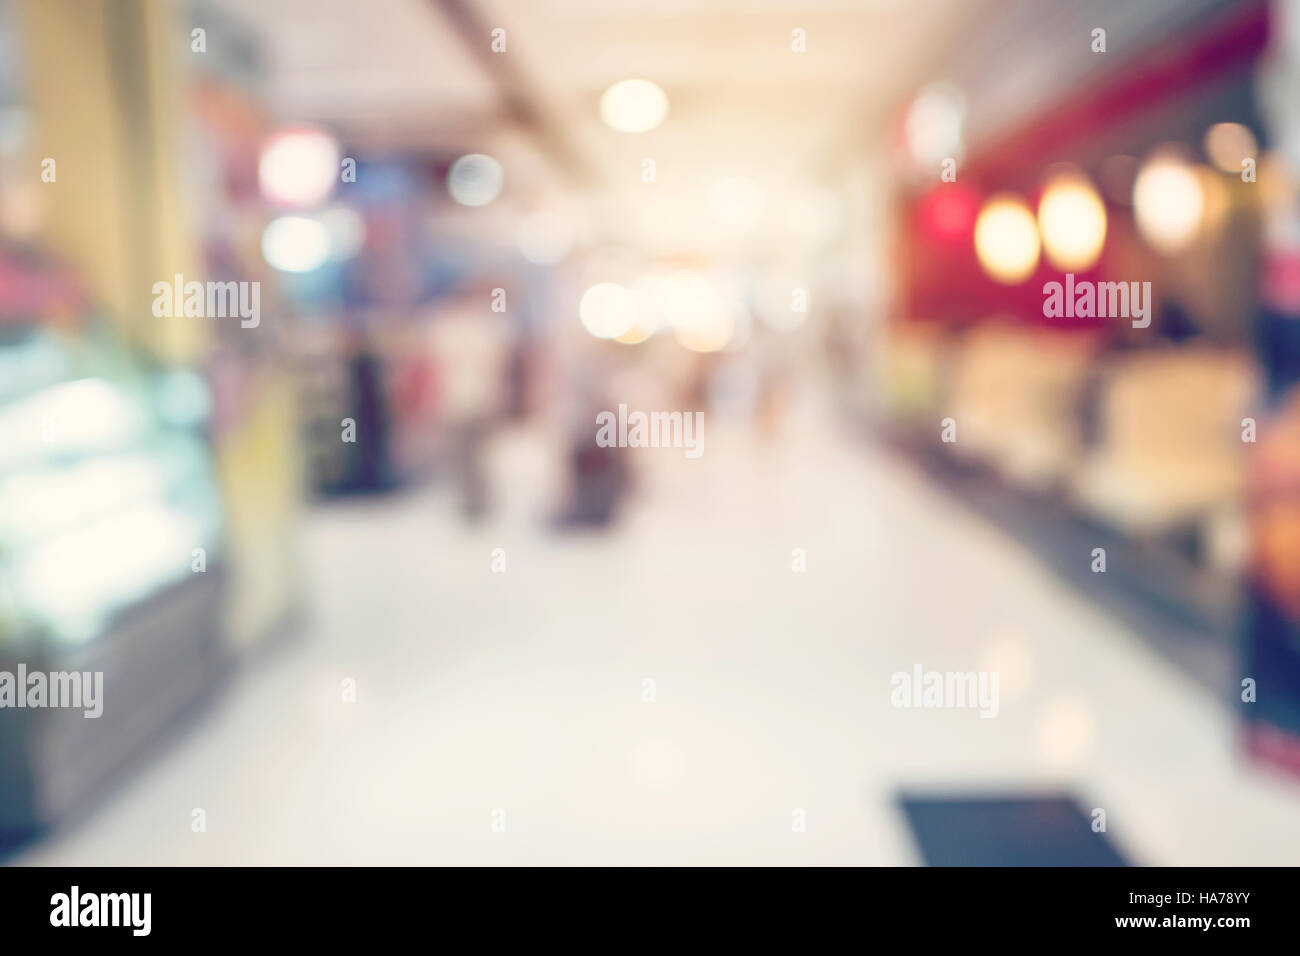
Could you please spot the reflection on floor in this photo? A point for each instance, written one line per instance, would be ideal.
(501, 717)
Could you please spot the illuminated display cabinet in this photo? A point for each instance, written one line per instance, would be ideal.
(110, 558)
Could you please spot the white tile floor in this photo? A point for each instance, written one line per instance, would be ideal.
(523, 691)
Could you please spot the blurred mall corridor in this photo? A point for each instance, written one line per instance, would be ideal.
(650, 432)
(480, 691)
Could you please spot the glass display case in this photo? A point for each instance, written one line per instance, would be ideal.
(110, 557)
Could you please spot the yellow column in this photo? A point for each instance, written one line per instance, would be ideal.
(104, 86)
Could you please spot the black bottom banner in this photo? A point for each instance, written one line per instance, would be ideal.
(337, 906)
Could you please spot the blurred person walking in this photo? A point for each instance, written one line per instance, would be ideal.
(471, 345)
(598, 476)
(371, 468)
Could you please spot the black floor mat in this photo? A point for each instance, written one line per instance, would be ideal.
(1006, 831)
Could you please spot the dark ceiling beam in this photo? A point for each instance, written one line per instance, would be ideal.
(517, 91)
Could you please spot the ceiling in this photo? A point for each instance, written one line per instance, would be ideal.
(379, 65)
(402, 72)
(421, 75)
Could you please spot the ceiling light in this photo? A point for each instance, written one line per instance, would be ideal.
(1072, 220)
(475, 179)
(299, 167)
(1006, 239)
(1168, 202)
(295, 244)
(633, 106)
